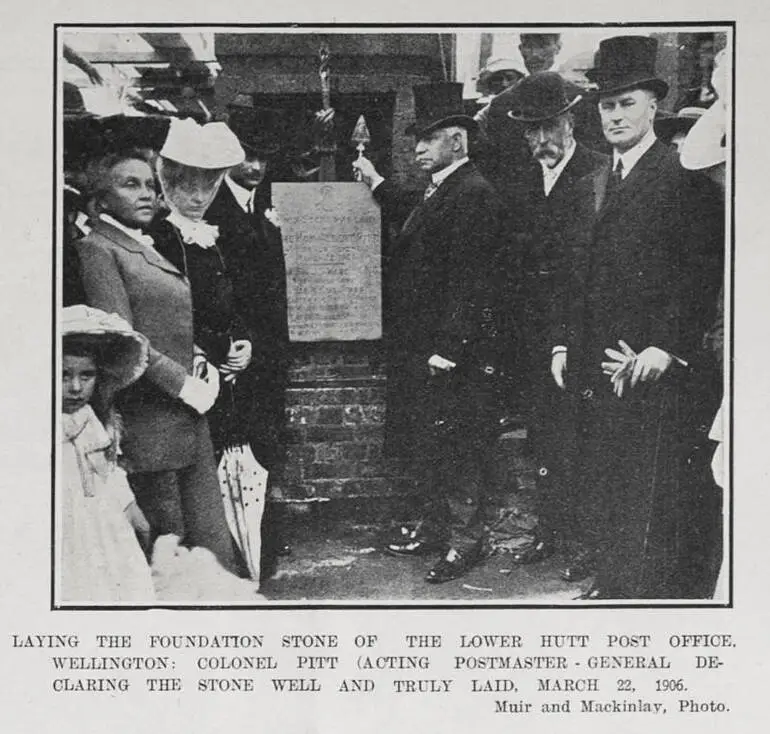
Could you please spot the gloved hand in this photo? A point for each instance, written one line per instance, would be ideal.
(201, 393)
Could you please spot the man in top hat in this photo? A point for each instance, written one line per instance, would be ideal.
(647, 266)
(441, 380)
(253, 248)
(541, 230)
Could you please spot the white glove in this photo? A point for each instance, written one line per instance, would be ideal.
(200, 394)
(368, 172)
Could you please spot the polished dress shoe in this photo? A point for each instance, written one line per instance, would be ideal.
(543, 547)
(581, 567)
(284, 549)
(452, 566)
(411, 542)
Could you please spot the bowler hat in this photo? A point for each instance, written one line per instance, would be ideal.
(541, 97)
(627, 62)
(436, 106)
(260, 130)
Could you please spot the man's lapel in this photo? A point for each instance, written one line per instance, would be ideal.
(120, 238)
(431, 208)
(645, 173)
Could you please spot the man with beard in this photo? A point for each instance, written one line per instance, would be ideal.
(542, 104)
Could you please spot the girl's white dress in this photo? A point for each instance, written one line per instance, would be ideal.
(101, 560)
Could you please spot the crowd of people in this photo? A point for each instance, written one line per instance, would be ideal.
(209, 297)
(563, 261)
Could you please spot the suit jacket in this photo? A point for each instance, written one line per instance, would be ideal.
(123, 276)
(440, 282)
(253, 252)
(648, 262)
(541, 230)
(648, 266)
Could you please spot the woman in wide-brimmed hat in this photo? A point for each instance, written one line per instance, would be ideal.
(100, 559)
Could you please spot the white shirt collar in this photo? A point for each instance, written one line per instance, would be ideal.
(440, 176)
(551, 175)
(631, 157)
(242, 195)
(135, 234)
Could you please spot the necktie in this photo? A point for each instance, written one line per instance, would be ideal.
(432, 188)
(617, 175)
(250, 205)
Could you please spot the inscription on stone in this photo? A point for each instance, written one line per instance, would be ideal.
(331, 239)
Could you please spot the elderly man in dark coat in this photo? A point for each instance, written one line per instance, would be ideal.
(537, 262)
(440, 383)
(253, 249)
(647, 269)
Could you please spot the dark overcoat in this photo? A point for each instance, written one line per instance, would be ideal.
(253, 252)
(540, 233)
(123, 276)
(440, 276)
(647, 267)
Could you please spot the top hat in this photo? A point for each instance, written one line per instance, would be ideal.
(260, 130)
(122, 352)
(627, 62)
(436, 106)
(210, 146)
(541, 97)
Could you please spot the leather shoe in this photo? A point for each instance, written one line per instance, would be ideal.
(283, 550)
(582, 566)
(412, 543)
(452, 566)
(543, 547)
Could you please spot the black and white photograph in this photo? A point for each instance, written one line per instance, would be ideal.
(428, 316)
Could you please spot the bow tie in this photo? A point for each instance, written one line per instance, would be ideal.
(200, 233)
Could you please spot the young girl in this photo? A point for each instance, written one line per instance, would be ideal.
(100, 526)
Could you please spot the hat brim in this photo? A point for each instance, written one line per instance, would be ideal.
(122, 357)
(667, 127)
(548, 116)
(609, 87)
(703, 147)
(123, 353)
(453, 120)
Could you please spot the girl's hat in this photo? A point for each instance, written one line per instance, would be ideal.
(212, 146)
(121, 352)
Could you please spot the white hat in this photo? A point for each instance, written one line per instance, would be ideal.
(706, 143)
(210, 146)
(123, 352)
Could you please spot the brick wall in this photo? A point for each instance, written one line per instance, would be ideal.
(335, 425)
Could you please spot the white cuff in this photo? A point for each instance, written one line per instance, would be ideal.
(376, 181)
(199, 394)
